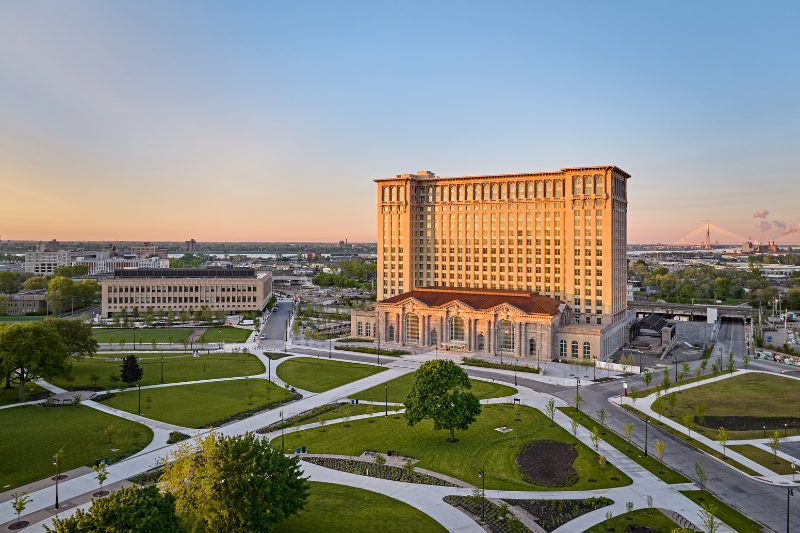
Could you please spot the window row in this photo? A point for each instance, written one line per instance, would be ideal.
(177, 299)
(182, 288)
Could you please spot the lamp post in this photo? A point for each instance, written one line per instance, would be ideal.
(482, 475)
(789, 493)
(329, 347)
(676, 370)
(577, 384)
(162, 369)
(386, 400)
(56, 463)
(538, 353)
(269, 369)
(282, 446)
(645, 434)
(139, 384)
(515, 373)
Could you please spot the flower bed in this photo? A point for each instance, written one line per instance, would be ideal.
(250, 412)
(364, 349)
(548, 463)
(276, 355)
(355, 339)
(480, 508)
(305, 415)
(176, 436)
(147, 478)
(552, 514)
(364, 468)
(469, 361)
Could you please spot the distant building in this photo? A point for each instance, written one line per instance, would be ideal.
(341, 244)
(45, 263)
(750, 248)
(191, 245)
(230, 290)
(146, 251)
(313, 255)
(108, 266)
(26, 302)
(51, 246)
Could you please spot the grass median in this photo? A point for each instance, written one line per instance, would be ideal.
(652, 518)
(319, 375)
(398, 389)
(146, 336)
(480, 446)
(648, 463)
(353, 510)
(764, 458)
(730, 516)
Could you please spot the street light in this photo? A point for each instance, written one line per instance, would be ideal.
(282, 446)
(577, 384)
(386, 404)
(482, 475)
(162, 369)
(676, 369)
(515, 373)
(645, 434)
(789, 493)
(56, 463)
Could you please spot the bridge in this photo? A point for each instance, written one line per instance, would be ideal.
(690, 311)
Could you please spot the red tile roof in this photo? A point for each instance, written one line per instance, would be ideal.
(481, 299)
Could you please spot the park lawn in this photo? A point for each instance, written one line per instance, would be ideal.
(656, 520)
(319, 375)
(764, 458)
(650, 463)
(757, 395)
(9, 396)
(353, 510)
(673, 387)
(143, 336)
(730, 516)
(480, 445)
(227, 334)
(694, 442)
(197, 405)
(176, 369)
(37, 433)
(399, 388)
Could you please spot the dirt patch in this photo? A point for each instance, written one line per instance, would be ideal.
(548, 463)
(552, 514)
(748, 423)
(640, 529)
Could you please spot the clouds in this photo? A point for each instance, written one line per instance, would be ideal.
(761, 214)
(765, 225)
(792, 228)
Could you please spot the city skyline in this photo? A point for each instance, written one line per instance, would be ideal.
(256, 123)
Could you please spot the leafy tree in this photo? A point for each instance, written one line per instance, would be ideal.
(60, 291)
(722, 438)
(30, 350)
(775, 445)
(128, 510)
(578, 402)
(131, 371)
(232, 484)
(20, 502)
(8, 283)
(647, 378)
(551, 410)
(730, 363)
(702, 478)
(665, 379)
(661, 447)
(601, 417)
(596, 438)
(703, 365)
(688, 421)
(75, 271)
(87, 291)
(102, 474)
(76, 334)
(36, 283)
(628, 434)
(439, 393)
(3, 304)
(708, 520)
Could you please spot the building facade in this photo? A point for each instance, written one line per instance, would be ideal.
(146, 251)
(107, 266)
(26, 302)
(178, 289)
(44, 263)
(560, 234)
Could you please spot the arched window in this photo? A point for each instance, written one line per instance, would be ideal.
(512, 191)
(437, 193)
(494, 191)
(576, 186)
(481, 342)
(460, 193)
(548, 189)
(401, 194)
(391, 193)
(452, 197)
(434, 338)
(391, 333)
(598, 185)
(529, 191)
(486, 192)
(520, 190)
(532, 347)
(558, 189)
(539, 189)
(562, 348)
(412, 329)
(575, 349)
(367, 328)
(457, 329)
(503, 188)
(430, 194)
(587, 350)
(505, 336)
(386, 194)
(587, 185)
(469, 193)
(360, 329)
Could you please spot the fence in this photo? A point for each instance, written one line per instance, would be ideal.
(618, 367)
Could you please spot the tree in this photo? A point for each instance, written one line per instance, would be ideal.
(20, 502)
(128, 510)
(702, 477)
(661, 447)
(665, 379)
(30, 350)
(8, 283)
(33, 284)
(131, 371)
(596, 438)
(439, 393)
(601, 417)
(578, 402)
(60, 291)
(76, 334)
(647, 378)
(688, 421)
(730, 363)
(235, 483)
(775, 444)
(551, 410)
(87, 291)
(671, 399)
(745, 363)
(102, 475)
(703, 365)
(722, 438)
(109, 433)
(629, 434)
(708, 519)
(3, 304)
(574, 427)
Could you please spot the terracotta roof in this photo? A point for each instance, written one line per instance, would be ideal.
(481, 299)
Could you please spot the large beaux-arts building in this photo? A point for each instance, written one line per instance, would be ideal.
(529, 264)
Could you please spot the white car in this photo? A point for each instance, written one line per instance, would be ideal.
(263, 337)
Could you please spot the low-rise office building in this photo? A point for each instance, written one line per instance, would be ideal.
(26, 302)
(109, 266)
(44, 263)
(146, 251)
(230, 290)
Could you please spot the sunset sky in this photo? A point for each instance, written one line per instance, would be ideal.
(268, 121)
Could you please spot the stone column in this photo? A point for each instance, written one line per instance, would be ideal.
(401, 334)
(468, 335)
(519, 341)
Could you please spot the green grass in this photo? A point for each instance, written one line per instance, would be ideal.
(673, 387)
(730, 516)
(319, 375)
(399, 388)
(649, 463)
(176, 369)
(764, 458)
(682, 436)
(374, 351)
(353, 510)
(35, 434)
(227, 334)
(101, 335)
(480, 445)
(8, 396)
(199, 404)
(656, 520)
(755, 395)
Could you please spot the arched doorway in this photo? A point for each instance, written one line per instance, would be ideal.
(481, 343)
(532, 347)
(390, 333)
(505, 337)
(434, 338)
(412, 329)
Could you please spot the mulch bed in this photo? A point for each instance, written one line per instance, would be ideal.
(548, 463)
(747, 423)
(479, 508)
(251, 412)
(364, 468)
(552, 514)
(640, 529)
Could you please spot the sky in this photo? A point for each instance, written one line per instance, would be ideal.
(268, 121)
